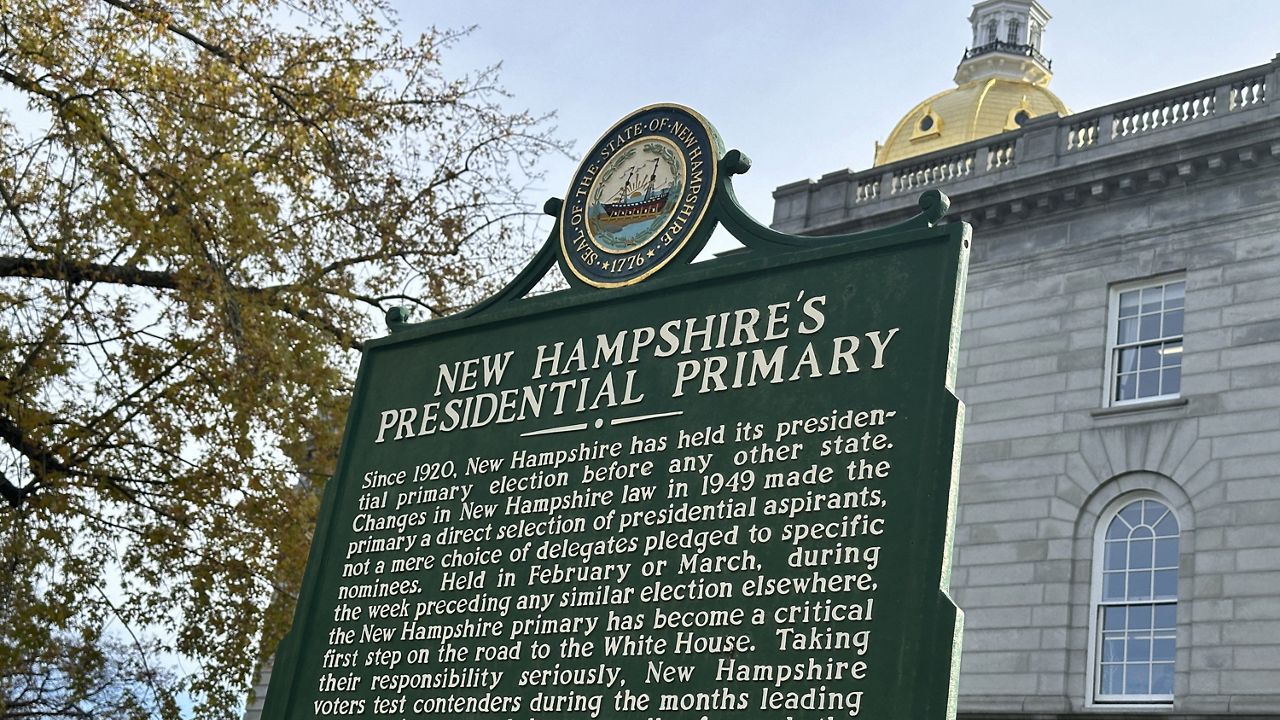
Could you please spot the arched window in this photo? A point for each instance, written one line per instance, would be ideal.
(991, 31)
(1135, 599)
(1014, 28)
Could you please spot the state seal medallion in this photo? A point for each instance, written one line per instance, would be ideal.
(639, 198)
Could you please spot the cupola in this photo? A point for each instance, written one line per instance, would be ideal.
(1007, 35)
(1001, 83)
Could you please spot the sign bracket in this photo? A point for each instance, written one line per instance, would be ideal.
(725, 211)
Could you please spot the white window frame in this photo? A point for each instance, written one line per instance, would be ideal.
(1093, 696)
(1113, 323)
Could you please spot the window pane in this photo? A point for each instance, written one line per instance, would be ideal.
(1152, 298)
(1171, 381)
(1132, 514)
(1172, 354)
(1129, 303)
(1127, 387)
(1139, 585)
(1162, 679)
(1113, 586)
(1149, 327)
(1113, 618)
(1112, 650)
(1148, 383)
(1139, 649)
(1166, 615)
(1140, 617)
(1115, 556)
(1127, 330)
(1149, 357)
(1166, 584)
(1174, 293)
(1152, 511)
(1167, 552)
(1140, 553)
(1137, 679)
(1163, 649)
(1128, 360)
(1117, 530)
(1173, 323)
(1112, 679)
(1168, 527)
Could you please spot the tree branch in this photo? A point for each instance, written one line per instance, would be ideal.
(44, 461)
(76, 271)
(11, 493)
(156, 13)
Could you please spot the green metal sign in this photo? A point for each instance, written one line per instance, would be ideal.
(720, 490)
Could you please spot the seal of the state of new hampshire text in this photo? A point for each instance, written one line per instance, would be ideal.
(638, 199)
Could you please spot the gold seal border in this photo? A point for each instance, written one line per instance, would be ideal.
(712, 137)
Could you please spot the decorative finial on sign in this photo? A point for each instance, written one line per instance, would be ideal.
(398, 317)
(934, 205)
(735, 162)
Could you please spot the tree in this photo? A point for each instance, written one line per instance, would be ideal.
(202, 206)
(91, 678)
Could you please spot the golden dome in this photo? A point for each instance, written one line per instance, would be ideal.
(975, 109)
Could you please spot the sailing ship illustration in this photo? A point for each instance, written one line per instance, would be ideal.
(638, 198)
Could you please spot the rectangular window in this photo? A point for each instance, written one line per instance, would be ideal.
(1144, 341)
(1015, 27)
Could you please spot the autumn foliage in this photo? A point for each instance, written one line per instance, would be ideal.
(204, 206)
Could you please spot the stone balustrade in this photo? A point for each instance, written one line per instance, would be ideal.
(1045, 143)
(933, 171)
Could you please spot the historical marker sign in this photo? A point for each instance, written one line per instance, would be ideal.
(723, 492)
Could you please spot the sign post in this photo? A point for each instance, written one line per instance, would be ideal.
(721, 490)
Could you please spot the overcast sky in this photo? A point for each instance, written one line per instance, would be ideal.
(806, 88)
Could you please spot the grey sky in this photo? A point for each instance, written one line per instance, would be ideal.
(806, 88)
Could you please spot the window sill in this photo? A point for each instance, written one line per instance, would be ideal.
(1131, 706)
(1138, 407)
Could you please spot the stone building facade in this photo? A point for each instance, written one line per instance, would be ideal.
(1118, 539)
